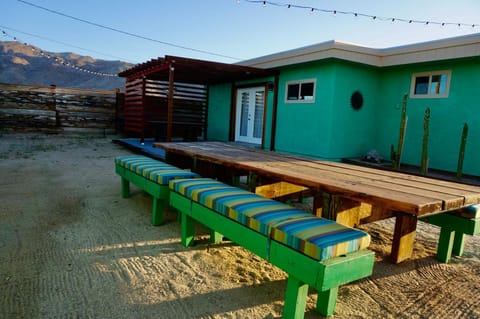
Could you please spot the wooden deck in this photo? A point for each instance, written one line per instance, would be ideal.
(347, 193)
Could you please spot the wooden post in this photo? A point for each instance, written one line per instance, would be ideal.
(52, 105)
(171, 82)
(144, 102)
(117, 112)
(461, 154)
(274, 113)
(205, 124)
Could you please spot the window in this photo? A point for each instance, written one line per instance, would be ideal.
(300, 91)
(430, 85)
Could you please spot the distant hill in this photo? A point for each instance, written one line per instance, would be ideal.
(23, 64)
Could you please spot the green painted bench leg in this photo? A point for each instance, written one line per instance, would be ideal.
(187, 230)
(458, 242)
(125, 188)
(445, 244)
(326, 301)
(158, 209)
(215, 237)
(295, 299)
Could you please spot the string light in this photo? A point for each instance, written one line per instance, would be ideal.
(65, 44)
(131, 34)
(57, 59)
(356, 14)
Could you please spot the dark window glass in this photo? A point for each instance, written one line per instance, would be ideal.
(306, 91)
(293, 91)
(421, 85)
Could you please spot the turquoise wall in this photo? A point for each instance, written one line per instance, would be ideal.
(305, 128)
(219, 100)
(353, 132)
(329, 128)
(447, 116)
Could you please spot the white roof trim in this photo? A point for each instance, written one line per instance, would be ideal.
(451, 48)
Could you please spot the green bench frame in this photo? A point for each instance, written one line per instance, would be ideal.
(160, 193)
(303, 271)
(453, 229)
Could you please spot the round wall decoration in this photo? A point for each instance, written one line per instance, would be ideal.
(356, 100)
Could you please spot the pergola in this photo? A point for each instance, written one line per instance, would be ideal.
(171, 93)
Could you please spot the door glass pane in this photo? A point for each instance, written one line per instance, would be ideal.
(258, 119)
(244, 114)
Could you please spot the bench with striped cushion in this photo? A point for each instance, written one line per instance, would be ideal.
(314, 251)
(454, 226)
(150, 175)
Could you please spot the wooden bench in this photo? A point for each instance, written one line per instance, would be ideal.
(453, 228)
(314, 251)
(151, 176)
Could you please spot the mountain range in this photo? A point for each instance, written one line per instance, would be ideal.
(26, 64)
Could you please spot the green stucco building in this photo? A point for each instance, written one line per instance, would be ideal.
(337, 100)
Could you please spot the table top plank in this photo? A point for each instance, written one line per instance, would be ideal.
(470, 193)
(394, 190)
(452, 196)
(447, 187)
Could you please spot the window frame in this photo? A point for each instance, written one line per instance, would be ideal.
(300, 82)
(430, 75)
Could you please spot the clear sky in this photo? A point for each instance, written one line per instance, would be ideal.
(229, 28)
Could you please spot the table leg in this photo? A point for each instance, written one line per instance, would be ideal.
(403, 237)
(317, 204)
(342, 210)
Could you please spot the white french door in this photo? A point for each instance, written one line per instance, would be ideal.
(249, 115)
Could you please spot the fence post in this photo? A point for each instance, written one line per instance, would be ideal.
(117, 105)
(52, 106)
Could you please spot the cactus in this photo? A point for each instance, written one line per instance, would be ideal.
(461, 154)
(426, 123)
(397, 155)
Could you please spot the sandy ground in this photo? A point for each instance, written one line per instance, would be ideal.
(71, 247)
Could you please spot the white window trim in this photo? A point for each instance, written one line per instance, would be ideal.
(314, 81)
(430, 74)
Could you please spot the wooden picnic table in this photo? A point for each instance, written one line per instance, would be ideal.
(347, 193)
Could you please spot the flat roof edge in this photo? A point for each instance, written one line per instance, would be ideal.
(449, 48)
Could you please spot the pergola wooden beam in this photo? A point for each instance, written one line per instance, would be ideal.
(184, 71)
(171, 81)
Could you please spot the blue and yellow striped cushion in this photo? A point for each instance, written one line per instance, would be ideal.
(151, 169)
(315, 237)
(470, 212)
(319, 238)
